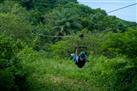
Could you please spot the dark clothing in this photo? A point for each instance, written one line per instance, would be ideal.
(80, 63)
(77, 61)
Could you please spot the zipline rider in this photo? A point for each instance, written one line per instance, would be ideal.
(79, 59)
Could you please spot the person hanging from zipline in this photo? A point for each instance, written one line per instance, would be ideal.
(79, 58)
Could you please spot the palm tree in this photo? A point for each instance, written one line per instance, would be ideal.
(64, 21)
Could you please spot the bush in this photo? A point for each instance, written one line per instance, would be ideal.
(8, 50)
(90, 40)
(7, 80)
(12, 76)
(14, 8)
(121, 44)
(117, 74)
(14, 27)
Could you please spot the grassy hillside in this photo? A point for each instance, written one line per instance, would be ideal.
(57, 75)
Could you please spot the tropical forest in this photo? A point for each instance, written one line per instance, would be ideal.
(41, 43)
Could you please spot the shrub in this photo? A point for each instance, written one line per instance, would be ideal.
(13, 26)
(121, 44)
(116, 74)
(12, 76)
(90, 40)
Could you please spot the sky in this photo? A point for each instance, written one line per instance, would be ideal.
(129, 14)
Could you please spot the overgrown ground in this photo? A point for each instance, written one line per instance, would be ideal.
(58, 75)
(99, 74)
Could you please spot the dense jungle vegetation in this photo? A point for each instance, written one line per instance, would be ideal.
(31, 59)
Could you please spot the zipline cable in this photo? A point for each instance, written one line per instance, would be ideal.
(71, 36)
(53, 36)
(107, 12)
(122, 8)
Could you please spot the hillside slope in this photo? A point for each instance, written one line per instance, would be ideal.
(58, 75)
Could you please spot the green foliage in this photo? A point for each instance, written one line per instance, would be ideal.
(73, 18)
(28, 55)
(8, 50)
(121, 43)
(99, 74)
(15, 27)
(90, 40)
(41, 41)
(15, 8)
(7, 80)
(12, 76)
(117, 74)
(32, 61)
(1, 1)
(64, 21)
(42, 5)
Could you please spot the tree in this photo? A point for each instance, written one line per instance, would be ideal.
(42, 5)
(121, 44)
(15, 8)
(63, 20)
(15, 27)
(11, 73)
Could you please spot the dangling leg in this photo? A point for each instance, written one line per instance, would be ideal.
(75, 56)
